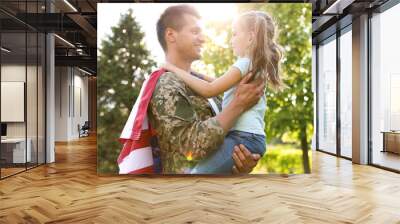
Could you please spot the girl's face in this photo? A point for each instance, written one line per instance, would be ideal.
(241, 40)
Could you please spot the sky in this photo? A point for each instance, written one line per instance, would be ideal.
(147, 14)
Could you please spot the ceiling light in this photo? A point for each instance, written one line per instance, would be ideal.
(5, 50)
(337, 7)
(86, 72)
(65, 41)
(70, 5)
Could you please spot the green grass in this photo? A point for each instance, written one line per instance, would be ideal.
(281, 159)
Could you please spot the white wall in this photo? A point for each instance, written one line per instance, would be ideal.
(14, 73)
(71, 93)
(80, 100)
(61, 103)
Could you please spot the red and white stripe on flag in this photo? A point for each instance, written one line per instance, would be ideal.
(136, 156)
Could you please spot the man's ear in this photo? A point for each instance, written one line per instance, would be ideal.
(170, 35)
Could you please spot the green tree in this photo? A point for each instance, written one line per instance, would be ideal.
(291, 110)
(219, 55)
(122, 63)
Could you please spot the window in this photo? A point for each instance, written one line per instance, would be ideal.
(346, 93)
(22, 77)
(385, 88)
(327, 96)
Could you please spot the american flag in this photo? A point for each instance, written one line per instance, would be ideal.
(136, 156)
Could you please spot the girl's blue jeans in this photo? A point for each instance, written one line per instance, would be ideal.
(221, 162)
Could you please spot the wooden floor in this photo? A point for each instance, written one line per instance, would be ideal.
(70, 191)
(10, 171)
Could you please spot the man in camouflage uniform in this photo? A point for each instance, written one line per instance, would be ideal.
(188, 128)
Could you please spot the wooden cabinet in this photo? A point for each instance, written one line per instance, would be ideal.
(391, 142)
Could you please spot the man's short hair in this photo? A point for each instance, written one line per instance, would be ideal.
(173, 17)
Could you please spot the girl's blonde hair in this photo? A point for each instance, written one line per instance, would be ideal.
(265, 53)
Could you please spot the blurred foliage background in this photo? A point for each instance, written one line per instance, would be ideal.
(124, 62)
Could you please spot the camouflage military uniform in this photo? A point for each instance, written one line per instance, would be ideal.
(185, 123)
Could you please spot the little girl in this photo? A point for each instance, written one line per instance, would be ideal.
(253, 42)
